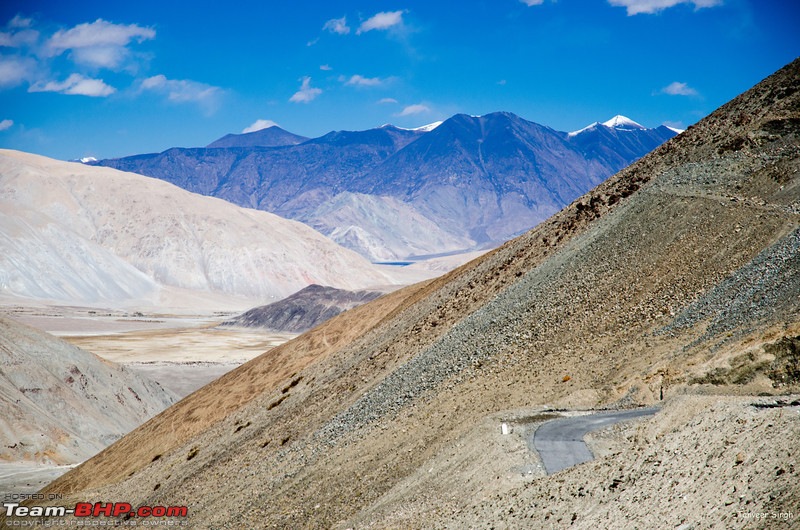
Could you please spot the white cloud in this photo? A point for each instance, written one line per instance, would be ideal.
(678, 89)
(388, 100)
(100, 44)
(675, 125)
(98, 33)
(417, 108)
(26, 37)
(155, 82)
(6, 124)
(184, 91)
(325, 67)
(636, 7)
(381, 21)
(100, 56)
(360, 80)
(258, 125)
(19, 33)
(20, 22)
(530, 3)
(75, 85)
(15, 70)
(306, 93)
(337, 25)
(181, 90)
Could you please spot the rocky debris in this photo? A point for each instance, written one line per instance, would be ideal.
(765, 289)
(778, 361)
(736, 462)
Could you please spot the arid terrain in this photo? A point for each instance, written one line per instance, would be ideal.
(76, 234)
(181, 353)
(62, 405)
(677, 282)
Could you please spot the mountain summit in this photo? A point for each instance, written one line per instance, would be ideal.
(622, 123)
(269, 137)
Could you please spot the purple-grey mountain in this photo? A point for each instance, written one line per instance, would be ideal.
(303, 310)
(269, 137)
(392, 193)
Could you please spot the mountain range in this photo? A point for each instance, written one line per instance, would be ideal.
(675, 282)
(388, 193)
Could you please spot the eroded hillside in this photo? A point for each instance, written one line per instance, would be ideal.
(656, 282)
(62, 404)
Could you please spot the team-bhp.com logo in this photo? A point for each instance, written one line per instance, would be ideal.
(122, 510)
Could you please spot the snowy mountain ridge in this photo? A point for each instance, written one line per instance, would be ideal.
(618, 122)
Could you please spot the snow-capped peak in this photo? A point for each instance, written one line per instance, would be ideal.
(621, 122)
(429, 127)
(575, 133)
(424, 128)
(673, 129)
(88, 159)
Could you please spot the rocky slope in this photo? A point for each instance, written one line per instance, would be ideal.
(677, 276)
(90, 235)
(61, 405)
(389, 193)
(303, 310)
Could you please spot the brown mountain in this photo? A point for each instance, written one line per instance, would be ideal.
(678, 276)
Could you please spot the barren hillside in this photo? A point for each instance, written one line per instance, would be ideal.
(679, 275)
(89, 235)
(303, 310)
(62, 404)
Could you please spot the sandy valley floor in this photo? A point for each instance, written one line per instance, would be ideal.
(181, 352)
(181, 359)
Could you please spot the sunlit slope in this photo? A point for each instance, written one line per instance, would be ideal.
(81, 234)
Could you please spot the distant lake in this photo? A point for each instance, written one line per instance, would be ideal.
(394, 263)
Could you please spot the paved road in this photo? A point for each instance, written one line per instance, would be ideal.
(560, 442)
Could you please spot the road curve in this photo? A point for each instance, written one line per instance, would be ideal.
(560, 442)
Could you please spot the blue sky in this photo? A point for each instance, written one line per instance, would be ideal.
(108, 79)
